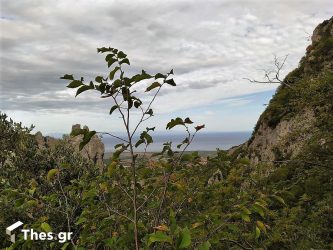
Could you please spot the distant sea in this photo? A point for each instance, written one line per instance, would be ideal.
(208, 141)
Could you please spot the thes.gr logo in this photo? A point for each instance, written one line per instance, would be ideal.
(31, 234)
(11, 230)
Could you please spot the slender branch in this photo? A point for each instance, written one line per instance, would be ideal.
(117, 137)
(115, 211)
(152, 192)
(276, 79)
(167, 179)
(124, 190)
(43, 203)
(127, 127)
(67, 207)
(144, 113)
(236, 243)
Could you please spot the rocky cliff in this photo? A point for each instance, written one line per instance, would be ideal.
(93, 151)
(299, 113)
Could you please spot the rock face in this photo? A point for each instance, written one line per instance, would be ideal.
(286, 139)
(319, 55)
(93, 151)
(45, 141)
(291, 118)
(215, 178)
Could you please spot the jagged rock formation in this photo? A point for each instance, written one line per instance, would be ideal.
(215, 178)
(45, 141)
(295, 115)
(93, 151)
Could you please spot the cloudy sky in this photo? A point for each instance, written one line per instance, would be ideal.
(211, 45)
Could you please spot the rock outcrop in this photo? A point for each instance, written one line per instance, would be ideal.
(45, 141)
(286, 139)
(215, 178)
(293, 115)
(93, 151)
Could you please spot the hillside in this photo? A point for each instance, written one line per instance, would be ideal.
(302, 113)
(292, 148)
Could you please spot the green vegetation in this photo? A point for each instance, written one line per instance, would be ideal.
(68, 194)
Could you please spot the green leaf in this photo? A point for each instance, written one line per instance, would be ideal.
(159, 237)
(152, 129)
(89, 194)
(171, 82)
(117, 153)
(51, 174)
(144, 135)
(109, 57)
(80, 221)
(31, 203)
(245, 210)
(188, 121)
(74, 84)
(114, 107)
(153, 85)
(119, 145)
(140, 77)
(175, 122)
(197, 128)
(82, 89)
(172, 219)
(19, 202)
(46, 227)
(234, 228)
(117, 83)
(245, 217)
(261, 226)
(185, 238)
(121, 55)
(99, 79)
(259, 209)
(279, 199)
(32, 191)
(137, 104)
(205, 246)
(113, 72)
(111, 61)
(103, 49)
(110, 242)
(139, 142)
(112, 168)
(150, 112)
(257, 232)
(159, 75)
(86, 139)
(67, 77)
(125, 61)
(64, 247)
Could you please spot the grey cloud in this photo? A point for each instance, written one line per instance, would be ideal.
(223, 40)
